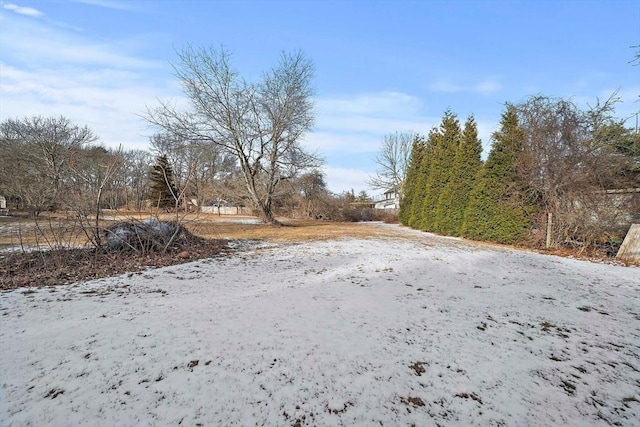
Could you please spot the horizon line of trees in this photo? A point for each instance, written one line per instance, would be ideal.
(53, 164)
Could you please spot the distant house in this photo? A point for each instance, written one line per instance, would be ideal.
(391, 200)
(221, 204)
(223, 207)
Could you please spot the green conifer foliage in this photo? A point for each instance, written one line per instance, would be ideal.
(161, 179)
(443, 153)
(421, 180)
(455, 195)
(410, 182)
(497, 210)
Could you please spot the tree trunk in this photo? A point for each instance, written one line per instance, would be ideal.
(266, 214)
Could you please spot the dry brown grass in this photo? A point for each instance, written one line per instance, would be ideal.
(48, 230)
(292, 230)
(56, 230)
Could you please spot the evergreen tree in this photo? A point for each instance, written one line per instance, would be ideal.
(455, 195)
(163, 190)
(497, 210)
(438, 173)
(415, 216)
(410, 183)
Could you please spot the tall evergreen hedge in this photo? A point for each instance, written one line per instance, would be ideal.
(449, 190)
(497, 211)
(421, 176)
(443, 148)
(455, 196)
(410, 187)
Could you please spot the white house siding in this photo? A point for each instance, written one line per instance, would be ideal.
(226, 210)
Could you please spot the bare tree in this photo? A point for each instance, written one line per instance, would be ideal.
(38, 150)
(392, 160)
(197, 166)
(94, 171)
(260, 124)
(135, 177)
(305, 196)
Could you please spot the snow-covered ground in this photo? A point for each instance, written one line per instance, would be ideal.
(398, 331)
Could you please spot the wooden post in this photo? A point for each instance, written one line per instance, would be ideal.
(549, 228)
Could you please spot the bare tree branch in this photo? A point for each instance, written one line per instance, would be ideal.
(392, 160)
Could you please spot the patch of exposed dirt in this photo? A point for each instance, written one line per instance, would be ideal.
(64, 266)
(415, 401)
(419, 368)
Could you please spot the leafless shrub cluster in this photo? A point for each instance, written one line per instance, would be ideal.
(581, 166)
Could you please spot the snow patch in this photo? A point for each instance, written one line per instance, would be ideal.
(350, 332)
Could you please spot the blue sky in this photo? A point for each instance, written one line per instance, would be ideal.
(381, 66)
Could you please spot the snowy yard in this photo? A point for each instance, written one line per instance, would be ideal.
(397, 331)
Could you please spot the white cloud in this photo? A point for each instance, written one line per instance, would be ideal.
(344, 179)
(51, 71)
(442, 86)
(341, 142)
(352, 127)
(485, 87)
(21, 10)
(33, 43)
(357, 123)
(370, 104)
(108, 4)
(377, 125)
(112, 112)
